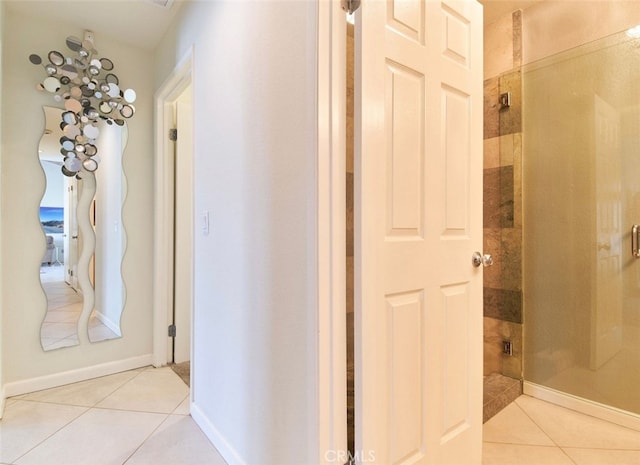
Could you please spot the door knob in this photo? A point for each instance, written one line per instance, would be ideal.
(478, 259)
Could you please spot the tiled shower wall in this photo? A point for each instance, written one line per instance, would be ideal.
(503, 195)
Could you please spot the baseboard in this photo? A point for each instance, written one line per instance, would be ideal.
(73, 376)
(595, 409)
(229, 454)
(107, 322)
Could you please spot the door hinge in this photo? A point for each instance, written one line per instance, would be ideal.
(173, 135)
(172, 330)
(350, 6)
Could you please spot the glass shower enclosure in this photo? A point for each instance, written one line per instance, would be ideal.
(581, 198)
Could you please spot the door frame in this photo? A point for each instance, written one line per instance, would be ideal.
(329, 330)
(168, 93)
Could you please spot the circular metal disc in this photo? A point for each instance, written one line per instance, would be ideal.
(74, 43)
(51, 84)
(90, 164)
(127, 111)
(67, 173)
(107, 64)
(130, 95)
(56, 58)
(112, 78)
(90, 150)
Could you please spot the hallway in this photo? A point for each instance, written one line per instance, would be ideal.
(139, 417)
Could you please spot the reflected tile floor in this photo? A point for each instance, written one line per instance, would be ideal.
(139, 417)
(64, 306)
(533, 432)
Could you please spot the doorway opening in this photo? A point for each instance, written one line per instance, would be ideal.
(179, 347)
(173, 270)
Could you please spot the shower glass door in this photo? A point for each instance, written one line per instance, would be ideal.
(581, 197)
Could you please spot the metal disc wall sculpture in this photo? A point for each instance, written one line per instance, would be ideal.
(91, 92)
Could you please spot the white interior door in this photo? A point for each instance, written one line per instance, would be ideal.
(184, 228)
(418, 221)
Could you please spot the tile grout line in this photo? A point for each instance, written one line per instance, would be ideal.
(551, 446)
(545, 433)
(95, 407)
(75, 405)
(601, 448)
(536, 423)
(146, 370)
(119, 387)
(52, 434)
(146, 439)
(116, 409)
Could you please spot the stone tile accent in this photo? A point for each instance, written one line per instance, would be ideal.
(502, 210)
(503, 304)
(498, 197)
(350, 97)
(491, 108)
(492, 342)
(491, 151)
(517, 180)
(498, 46)
(350, 290)
(499, 391)
(495, 361)
(517, 38)
(505, 245)
(511, 118)
(350, 217)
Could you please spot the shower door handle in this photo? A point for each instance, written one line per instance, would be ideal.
(635, 240)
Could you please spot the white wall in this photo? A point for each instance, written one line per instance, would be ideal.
(22, 241)
(255, 154)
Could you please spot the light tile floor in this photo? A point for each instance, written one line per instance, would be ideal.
(139, 417)
(533, 432)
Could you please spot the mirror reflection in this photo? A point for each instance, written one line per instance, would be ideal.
(81, 218)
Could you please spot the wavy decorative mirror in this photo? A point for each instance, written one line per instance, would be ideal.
(81, 209)
(82, 222)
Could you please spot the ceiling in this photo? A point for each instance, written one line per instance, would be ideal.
(140, 23)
